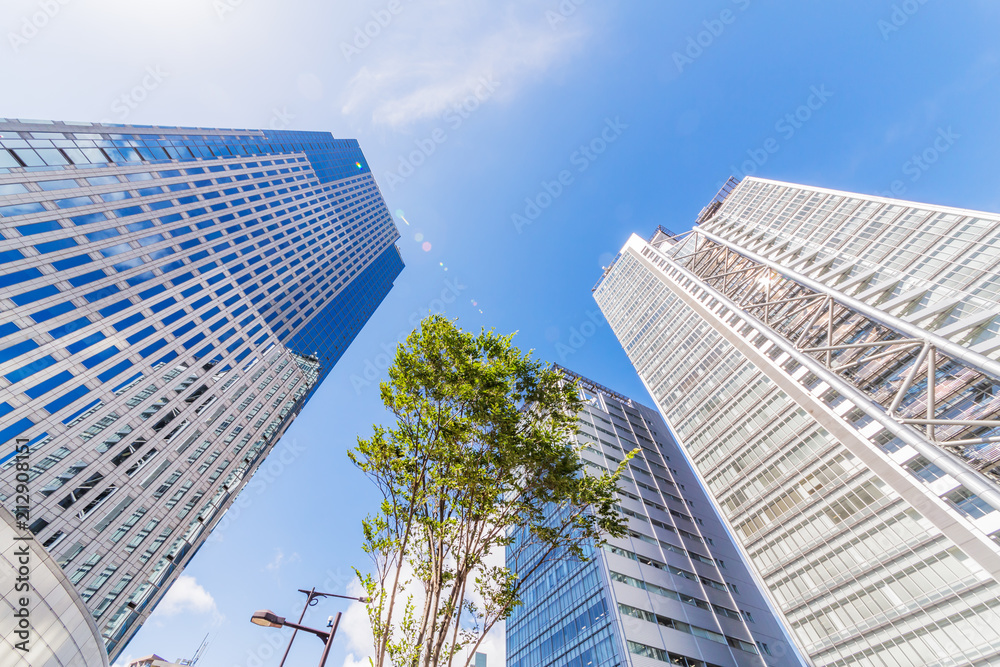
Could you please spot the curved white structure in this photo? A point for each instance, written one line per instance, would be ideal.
(60, 631)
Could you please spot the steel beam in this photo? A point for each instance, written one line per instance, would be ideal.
(971, 478)
(976, 361)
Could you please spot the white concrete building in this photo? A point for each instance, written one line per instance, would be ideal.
(828, 362)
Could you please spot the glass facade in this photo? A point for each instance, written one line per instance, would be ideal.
(674, 591)
(825, 361)
(171, 297)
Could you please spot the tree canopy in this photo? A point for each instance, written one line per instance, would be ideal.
(480, 459)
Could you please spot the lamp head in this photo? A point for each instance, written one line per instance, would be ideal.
(268, 619)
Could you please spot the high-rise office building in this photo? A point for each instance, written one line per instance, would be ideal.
(828, 362)
(675, 591)
(170, 299)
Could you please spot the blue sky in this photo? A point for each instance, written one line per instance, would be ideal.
(609, 117)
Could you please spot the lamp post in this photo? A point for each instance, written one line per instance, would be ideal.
(269, 619)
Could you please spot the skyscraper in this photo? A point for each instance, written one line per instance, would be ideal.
(674, 591)
(170, 298)
(828, 362)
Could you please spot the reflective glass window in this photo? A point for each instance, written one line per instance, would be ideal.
(116, 249)
(16, 350)
(103, 180)
(115, 308)
(29, 157)
(117, 369)
(139, 335)
(7, 159)
(151, 292)
(149, 240)
(20, 209)
(139, 226)
(69, 327)
(12, 189)
(128, 321)
(141, 278)
(73, 202)
(102, 293)
(103, 355)
(103, 234)
(65, 399)
(127, 211)
(95, 155)
(16, 277)
(173, 317)
(128, 264)
(30, 369)
(161, 253)
(52, 311)
(34, 295)
(52, 246)
(87, 278)
(89, 218)
(52, 156)
(48, 385)
(166, 303)
(57, 185)
(84, 343)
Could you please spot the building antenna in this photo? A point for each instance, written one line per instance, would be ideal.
(197, 654)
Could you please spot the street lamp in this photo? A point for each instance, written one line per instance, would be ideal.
(268, 619)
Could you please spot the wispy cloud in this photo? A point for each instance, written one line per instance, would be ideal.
(432, 59)
(280, 559)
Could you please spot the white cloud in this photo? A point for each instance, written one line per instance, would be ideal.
(435, 57)
(280, 560)
(356, 629)
(186, 595)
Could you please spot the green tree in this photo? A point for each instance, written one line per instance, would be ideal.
(481, 451)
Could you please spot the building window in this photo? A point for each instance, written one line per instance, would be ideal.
(969, 503)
